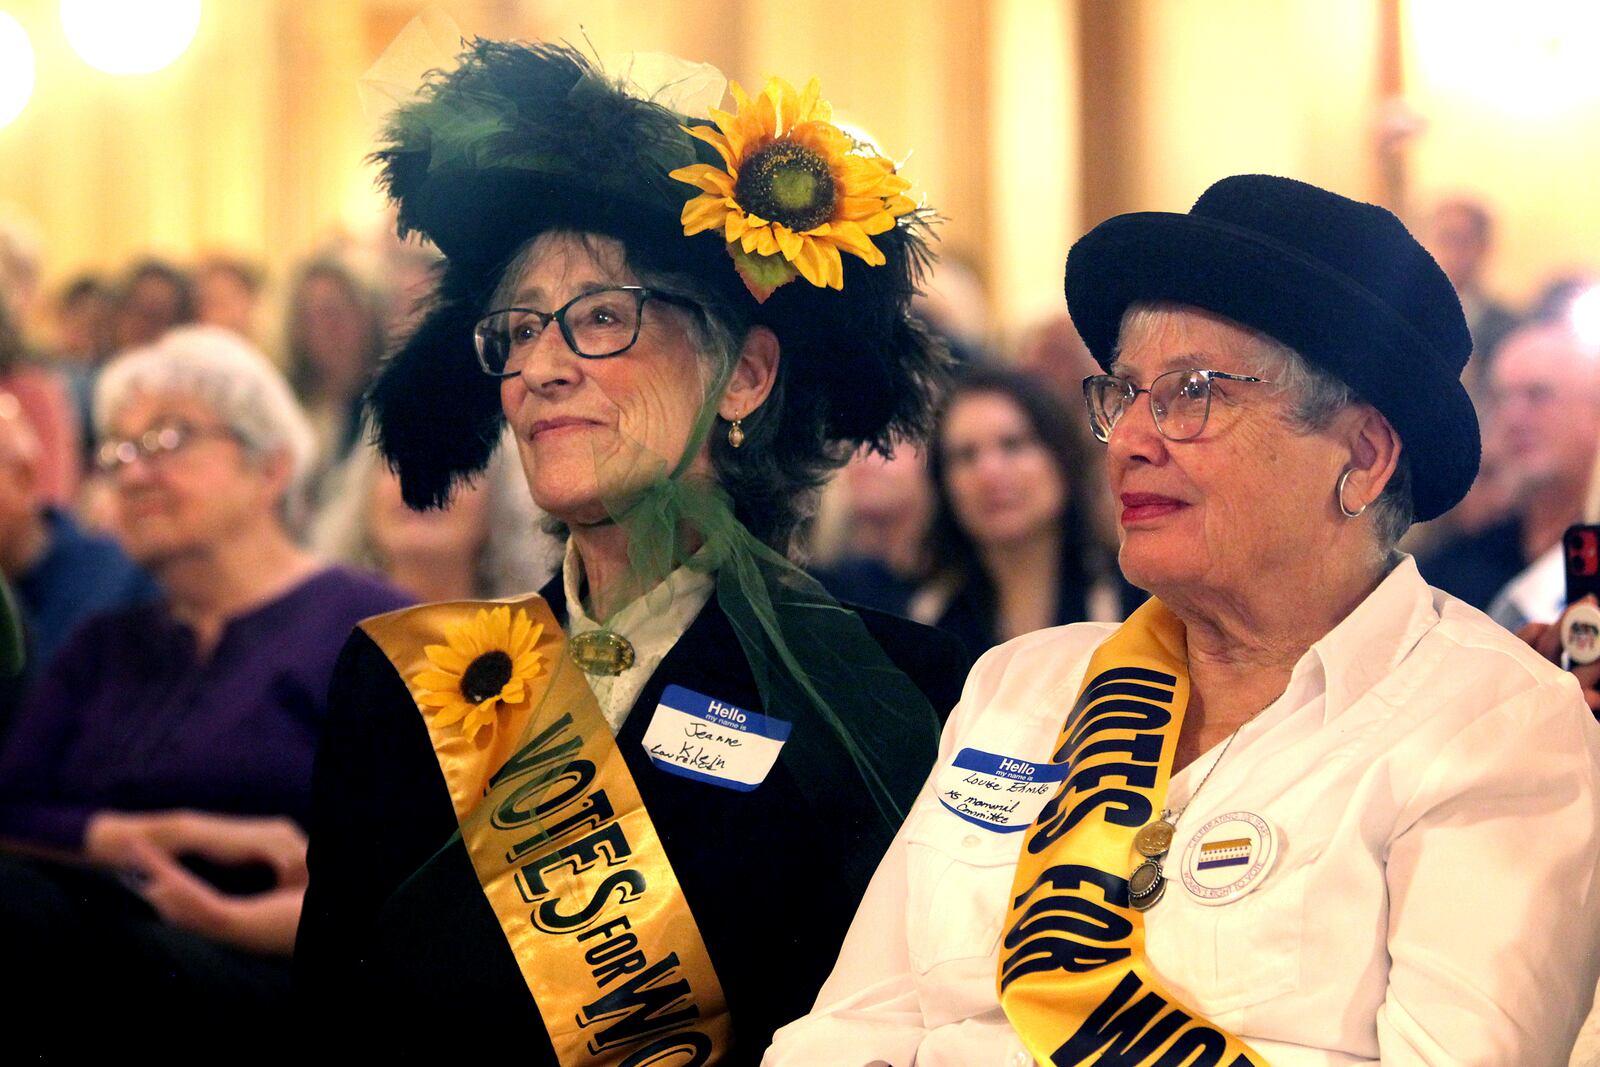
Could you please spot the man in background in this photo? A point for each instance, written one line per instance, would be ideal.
(1461, 237)
(228, 294)
(1544, 410)
(154, 297)
(875, 555)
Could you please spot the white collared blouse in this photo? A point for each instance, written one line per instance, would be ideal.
(652, 623)
(1431, 785)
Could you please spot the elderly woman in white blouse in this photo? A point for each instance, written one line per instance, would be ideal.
(1300, 809)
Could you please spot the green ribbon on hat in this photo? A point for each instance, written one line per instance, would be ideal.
(805, 650)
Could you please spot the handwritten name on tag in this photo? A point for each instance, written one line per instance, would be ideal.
(999, 793)
(710, 741)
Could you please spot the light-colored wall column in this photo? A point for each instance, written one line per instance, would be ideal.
(1252, 86)
(1034, 166)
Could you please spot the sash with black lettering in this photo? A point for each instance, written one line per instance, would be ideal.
(570, 861)
(1073, 977)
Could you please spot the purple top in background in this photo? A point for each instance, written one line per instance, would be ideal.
(128, 718)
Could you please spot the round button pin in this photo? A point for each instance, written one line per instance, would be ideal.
(1580, 633)
(1228, 857)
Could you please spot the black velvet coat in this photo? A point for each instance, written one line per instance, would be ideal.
(399, 951)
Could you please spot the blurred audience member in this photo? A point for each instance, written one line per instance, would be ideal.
(408, 270)
(85, 337)
(154, 297)
(488, 543)
(21, 267)
(1052, 352)
(1537, 594)
(1461, 236)
(46, 402)
(158, 776)
(1544, 414)
(228, 294)
(1560, 297)
(60, 574)
(335, 338)
(85, 326)
(1012, 546)
(887, 503)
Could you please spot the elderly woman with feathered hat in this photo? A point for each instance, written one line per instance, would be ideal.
(626, 820)
(1298, 809)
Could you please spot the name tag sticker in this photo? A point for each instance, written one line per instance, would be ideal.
(699, 737)
(999, 793)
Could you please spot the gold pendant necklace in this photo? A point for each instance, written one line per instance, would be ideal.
(603, 652)
(1148, 882)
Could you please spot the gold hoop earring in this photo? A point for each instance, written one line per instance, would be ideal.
(736, 434)
(1338, 493)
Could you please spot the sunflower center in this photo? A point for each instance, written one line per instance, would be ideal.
(788, 183)
(486, 676)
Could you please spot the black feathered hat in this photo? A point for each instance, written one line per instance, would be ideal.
(525, 138)
(1341, 282)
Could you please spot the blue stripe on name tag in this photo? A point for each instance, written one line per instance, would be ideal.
(972, 759)
(994, 809)
(725, 715)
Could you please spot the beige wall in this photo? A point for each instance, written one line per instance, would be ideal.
(250, 142)
(1512, 108)
(254, 140)
(1022, 121)
(108, 166)
(1206, 88)
(1242, 86)
(1503, 99)
(1034, 166)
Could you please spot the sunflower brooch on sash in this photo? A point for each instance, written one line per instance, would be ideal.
(795, 190)
(487, 661)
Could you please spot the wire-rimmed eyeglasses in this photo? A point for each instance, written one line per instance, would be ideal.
(1180, 401)
(595, 325)
(153, 445)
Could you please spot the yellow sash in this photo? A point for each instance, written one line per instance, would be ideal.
(567, 856)
(1073, 977)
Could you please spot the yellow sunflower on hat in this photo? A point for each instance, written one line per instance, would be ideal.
(795, 192)
(487, 661)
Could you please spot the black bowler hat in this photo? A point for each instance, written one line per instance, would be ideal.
(1341, 282)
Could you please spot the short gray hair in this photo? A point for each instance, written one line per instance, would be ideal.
(1316, 398)
(218, 367)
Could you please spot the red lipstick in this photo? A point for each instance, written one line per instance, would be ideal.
(544, 426)
(1137, 507)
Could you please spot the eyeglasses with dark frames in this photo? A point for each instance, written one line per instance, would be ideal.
(1180, 401)
(154, 445)
(596, 325)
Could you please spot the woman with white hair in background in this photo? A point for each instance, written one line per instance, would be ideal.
(153, 790)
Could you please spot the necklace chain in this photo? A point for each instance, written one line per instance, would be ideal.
(1147, 884)
(1171, 816)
